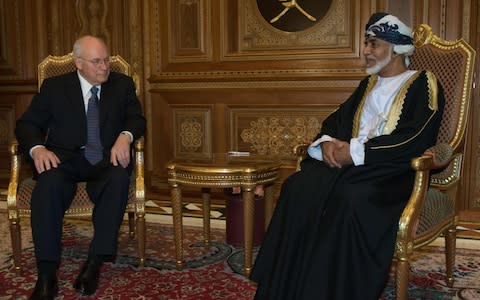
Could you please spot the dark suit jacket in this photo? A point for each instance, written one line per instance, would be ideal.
(59, 110)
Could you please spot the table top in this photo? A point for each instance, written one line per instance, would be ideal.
(224, 169)
(225, 163)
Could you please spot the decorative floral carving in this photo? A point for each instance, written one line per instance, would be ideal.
(191, 134)
(278, 135)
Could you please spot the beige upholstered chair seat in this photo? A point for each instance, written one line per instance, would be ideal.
(81, 204)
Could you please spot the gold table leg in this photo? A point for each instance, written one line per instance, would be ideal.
(248, 215)
(206, 215)
(176, 195)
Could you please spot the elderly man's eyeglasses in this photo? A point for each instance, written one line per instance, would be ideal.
(97, 61)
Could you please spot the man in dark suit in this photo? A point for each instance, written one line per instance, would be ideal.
(80, 127)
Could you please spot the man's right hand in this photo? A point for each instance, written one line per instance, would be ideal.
(328, 152)
(336, 153)
(44, 159)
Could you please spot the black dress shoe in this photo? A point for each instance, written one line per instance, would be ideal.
(46, 288)
(87, 281)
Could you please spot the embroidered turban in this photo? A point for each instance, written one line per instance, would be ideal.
(390, 29)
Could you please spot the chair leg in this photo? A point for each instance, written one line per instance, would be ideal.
(450, 248)
(141, 233)
(16, 238)
(401, 280)
(206, 215)
(131, 225)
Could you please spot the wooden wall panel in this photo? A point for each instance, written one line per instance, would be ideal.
(10, 49)
(193, 131)
(273, 130)
(471, 185)
(190, 34)
(255, 72)
(246, 48)
(217, 74)
(249, 72)
(333, 33)
(7, 122)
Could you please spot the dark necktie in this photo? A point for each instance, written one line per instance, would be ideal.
(93, 148)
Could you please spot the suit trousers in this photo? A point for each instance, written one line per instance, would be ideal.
(107, 187)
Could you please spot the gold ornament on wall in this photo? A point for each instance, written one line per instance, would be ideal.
(292, 4)
(293, 15)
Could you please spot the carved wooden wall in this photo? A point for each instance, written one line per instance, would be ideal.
(32, 29)
(219, 75)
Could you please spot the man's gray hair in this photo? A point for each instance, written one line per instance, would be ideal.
(77, 48)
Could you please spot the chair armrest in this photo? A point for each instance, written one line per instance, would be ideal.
(139, 174)
(139, 157)
(409, 219)
(441, 154)
(436, 157)
(15, 166)
(16, 159)
(300, 151)
(139, 144)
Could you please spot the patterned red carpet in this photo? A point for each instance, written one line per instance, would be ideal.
(210, 272)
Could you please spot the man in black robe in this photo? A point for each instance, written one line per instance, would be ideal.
(333, 232)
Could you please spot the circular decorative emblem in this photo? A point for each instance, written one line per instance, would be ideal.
(293, 15)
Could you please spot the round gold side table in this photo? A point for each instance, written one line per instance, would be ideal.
(222, 171)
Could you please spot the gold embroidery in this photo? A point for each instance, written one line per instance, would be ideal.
(399, 100)
(432, 91)
(356, 119)
(397, 105)
(410, 139)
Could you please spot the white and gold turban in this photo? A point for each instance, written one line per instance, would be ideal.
(390, 29)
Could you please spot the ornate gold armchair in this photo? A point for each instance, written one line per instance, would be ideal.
(430, 211)
(20, 187)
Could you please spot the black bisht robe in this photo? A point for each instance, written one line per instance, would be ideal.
(333, 231)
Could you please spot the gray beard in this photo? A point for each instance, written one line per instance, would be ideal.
(379, 65)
